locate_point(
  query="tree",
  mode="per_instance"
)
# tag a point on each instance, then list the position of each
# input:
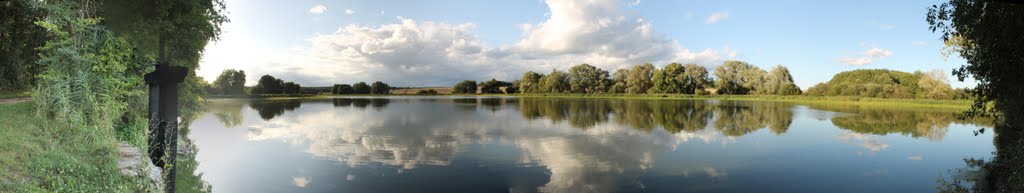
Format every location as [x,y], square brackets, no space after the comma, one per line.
[933,85]
[668,79]
[291,88]
[780,82]
[987,35]
[345,89]
[529,82]
[379,87]
[737,77]
[360,88]
[695,78]
[230,82]
[269,85]
[639,79]
[491,86]
[19,38]
[588,79]
[513,88]
[465,87]
[555,82]
[619,81]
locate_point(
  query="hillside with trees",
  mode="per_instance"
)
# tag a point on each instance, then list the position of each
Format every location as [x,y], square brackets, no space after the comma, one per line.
[881,83]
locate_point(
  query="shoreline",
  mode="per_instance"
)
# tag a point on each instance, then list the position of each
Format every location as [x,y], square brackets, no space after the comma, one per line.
[797,99]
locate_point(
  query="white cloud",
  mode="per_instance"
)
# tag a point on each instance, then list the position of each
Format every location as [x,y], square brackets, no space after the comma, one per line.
[915,157]
[717,17]
[919,43]
[634,3]
[350,11]
[866,57]
[869,142]
[425,53]
[318,9]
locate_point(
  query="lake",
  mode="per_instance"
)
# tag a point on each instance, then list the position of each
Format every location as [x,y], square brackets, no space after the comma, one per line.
[532,144]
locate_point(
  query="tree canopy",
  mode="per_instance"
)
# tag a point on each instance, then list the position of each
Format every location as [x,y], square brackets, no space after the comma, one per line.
[465,87]
[230,82]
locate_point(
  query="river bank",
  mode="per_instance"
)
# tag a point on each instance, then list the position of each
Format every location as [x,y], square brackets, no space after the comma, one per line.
[39,155]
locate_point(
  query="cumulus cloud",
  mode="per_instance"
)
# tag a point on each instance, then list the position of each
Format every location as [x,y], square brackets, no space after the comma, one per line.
[717,17]
[426,53]
[349,11]
[866,57]
[318,9]
[634,3]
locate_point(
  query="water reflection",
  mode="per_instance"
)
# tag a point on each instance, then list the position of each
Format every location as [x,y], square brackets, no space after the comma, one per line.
[932,125]
[268,109]
[582,145]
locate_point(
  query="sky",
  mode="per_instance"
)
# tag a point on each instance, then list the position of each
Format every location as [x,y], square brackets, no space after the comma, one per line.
[415,43]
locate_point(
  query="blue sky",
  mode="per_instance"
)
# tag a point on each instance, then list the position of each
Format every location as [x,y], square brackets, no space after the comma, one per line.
[437,43]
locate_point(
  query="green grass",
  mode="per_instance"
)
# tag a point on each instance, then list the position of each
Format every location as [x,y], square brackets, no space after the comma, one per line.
[40,155]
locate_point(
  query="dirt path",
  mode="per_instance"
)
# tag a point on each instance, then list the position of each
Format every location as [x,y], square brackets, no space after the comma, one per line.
[15,100]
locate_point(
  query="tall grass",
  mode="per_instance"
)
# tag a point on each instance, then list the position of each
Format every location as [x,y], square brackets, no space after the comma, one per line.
[38,155]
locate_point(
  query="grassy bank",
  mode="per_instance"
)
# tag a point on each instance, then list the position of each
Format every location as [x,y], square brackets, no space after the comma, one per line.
[39,155]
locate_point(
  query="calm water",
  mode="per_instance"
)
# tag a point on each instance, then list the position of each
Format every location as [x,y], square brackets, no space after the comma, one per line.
[495,144]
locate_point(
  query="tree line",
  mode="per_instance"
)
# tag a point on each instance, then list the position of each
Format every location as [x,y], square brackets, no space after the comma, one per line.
[733,77]
[376,87]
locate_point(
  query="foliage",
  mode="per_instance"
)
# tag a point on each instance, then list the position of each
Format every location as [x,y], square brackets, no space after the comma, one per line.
[667,80]
[678,78]
[380,88]
[187,26]
[619,81]
[88,77]
[427,92]
[19,38]
[361,88]
[585,78]
[492,86]
[268,85]
[513,87]
[737,77]
[880,83]
[465,87]
[694,79]
[555,82]
[230,82]
[291,88]
[342,89]
[638,81]
[780,82]
[987,35]
[530,82]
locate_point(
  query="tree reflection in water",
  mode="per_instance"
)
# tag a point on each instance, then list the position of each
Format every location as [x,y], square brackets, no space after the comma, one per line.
[608,142]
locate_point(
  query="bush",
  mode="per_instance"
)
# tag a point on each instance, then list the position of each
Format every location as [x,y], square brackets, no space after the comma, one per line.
[426,92]
[465,87]
[90,76]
